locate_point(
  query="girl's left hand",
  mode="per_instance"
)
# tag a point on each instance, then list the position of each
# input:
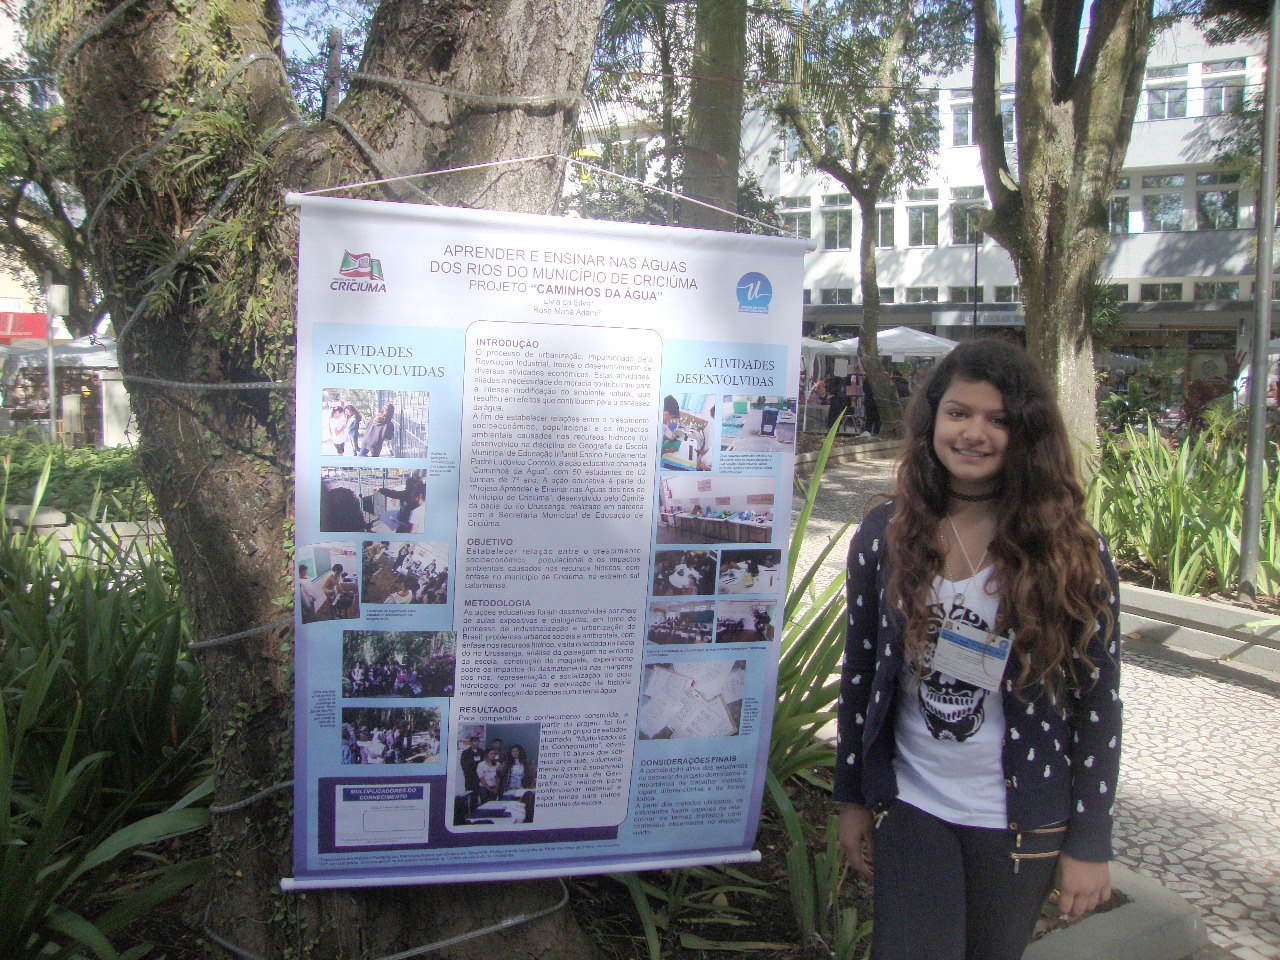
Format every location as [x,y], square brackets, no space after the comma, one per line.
[1082,885]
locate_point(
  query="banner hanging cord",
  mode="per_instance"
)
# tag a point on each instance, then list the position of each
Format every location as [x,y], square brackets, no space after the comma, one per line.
[229,637]
[506,924]
[248,801]
[547,156]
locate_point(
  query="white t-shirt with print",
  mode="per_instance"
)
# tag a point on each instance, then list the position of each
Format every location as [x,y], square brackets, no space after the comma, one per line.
[949,733]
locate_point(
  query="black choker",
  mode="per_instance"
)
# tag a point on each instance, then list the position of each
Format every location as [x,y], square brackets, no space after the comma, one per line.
[974,497]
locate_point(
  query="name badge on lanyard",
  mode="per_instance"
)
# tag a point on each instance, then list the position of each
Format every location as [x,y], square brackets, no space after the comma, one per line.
[972,655]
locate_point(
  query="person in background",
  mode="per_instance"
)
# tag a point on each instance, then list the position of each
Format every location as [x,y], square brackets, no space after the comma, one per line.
[970,786]
[353,428]
[338,427]
[382,429]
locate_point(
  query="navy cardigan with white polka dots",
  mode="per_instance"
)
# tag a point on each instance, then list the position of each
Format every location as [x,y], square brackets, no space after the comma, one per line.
[1060,759]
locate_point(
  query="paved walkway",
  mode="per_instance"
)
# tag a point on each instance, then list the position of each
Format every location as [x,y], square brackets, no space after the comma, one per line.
[1199,802]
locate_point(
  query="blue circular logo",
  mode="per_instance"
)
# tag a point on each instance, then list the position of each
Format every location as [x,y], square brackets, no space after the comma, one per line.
[754,293]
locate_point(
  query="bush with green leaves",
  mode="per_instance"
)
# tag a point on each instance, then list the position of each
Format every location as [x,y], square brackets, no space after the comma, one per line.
[1172,510]
[87,481]
[104,739]
[111,611]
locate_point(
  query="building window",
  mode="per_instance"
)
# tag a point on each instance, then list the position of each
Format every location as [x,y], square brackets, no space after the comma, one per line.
[965,218]
[1007,115]
[1223,94]
[961,117]
[1166,100]
[886,294]
[794,203]
[808,296]
[1155,292]
[922,226]
[964,294]
[929,100]
[922,193]
[837,296]
[1217,209]
[1118,292]
[798,224]
[837,221]
[1118,214]
[884,226]
[1008,295]
[1162,212]
[1217,290]
[920,295]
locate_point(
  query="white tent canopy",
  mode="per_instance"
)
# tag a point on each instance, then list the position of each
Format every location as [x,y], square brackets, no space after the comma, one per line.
[100,352]
[904,342]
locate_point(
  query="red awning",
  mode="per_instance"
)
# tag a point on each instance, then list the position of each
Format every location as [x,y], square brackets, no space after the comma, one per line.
[23,326]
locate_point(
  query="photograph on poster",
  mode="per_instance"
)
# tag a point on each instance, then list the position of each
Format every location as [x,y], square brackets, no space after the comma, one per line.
[372,500]
[693,698]
[684,573]
[746,621]
[326,582]
[404,572]
[687,422]
[757,424]
[395,663]
[751,571]
[498,762]
[699,508]
[373,423]
[391,735]
[684,621]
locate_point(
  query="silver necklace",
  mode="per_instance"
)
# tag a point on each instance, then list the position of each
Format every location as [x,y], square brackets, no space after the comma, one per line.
[973,570]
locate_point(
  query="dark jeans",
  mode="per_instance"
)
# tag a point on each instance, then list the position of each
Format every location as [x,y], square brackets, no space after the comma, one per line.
[945,892]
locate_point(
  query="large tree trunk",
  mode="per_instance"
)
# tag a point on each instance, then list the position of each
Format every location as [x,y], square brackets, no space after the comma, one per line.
[1074,114]
[715,114]
[878,382]
[220,463]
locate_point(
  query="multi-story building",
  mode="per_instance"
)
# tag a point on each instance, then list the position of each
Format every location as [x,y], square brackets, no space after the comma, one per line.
[1182,251]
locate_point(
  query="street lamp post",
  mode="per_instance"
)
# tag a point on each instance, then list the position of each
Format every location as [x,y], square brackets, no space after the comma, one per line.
[56,305]
[976,238]
[974,209]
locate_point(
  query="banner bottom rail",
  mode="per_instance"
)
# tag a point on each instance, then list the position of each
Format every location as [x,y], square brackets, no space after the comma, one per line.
[490,876]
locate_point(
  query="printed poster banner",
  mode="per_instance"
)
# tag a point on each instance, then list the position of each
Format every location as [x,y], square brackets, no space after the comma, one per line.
[544,472]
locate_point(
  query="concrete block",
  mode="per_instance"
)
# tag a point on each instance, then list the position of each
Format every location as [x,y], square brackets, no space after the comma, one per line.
[1155,925]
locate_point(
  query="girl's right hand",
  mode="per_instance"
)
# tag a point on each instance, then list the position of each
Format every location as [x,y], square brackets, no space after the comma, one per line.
[857,837]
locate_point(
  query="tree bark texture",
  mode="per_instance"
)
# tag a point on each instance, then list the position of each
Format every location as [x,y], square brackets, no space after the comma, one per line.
[187,137]
[714,144]
[1049,210]
[872,136]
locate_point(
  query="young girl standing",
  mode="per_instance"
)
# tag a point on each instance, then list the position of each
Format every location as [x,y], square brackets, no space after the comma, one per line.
[979,719]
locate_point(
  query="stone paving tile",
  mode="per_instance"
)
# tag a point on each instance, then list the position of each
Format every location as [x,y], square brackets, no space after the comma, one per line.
[1199,797]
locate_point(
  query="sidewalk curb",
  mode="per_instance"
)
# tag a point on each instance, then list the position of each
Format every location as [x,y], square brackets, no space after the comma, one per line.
[851,453]
[1156,924]
[1206,628]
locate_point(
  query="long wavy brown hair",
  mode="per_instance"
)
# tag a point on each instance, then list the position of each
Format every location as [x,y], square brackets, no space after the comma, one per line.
[1053,591]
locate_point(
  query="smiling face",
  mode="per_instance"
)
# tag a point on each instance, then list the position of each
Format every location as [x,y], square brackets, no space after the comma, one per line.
[971,435]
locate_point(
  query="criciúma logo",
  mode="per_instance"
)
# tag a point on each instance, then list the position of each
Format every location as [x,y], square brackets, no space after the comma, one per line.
[359,273]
